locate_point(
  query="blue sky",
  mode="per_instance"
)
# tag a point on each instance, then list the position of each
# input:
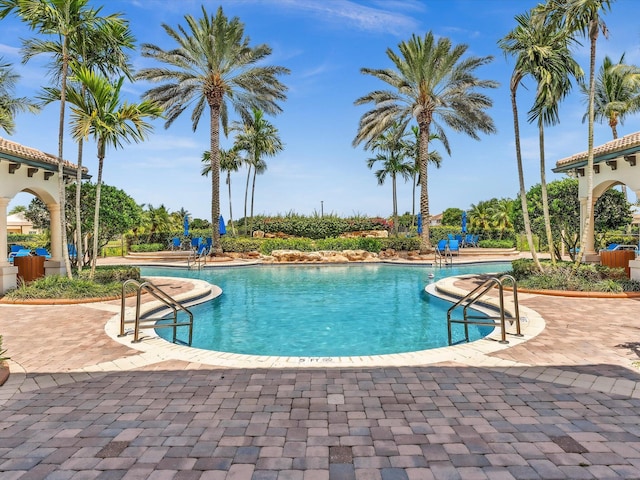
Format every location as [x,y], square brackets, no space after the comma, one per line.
[325,43]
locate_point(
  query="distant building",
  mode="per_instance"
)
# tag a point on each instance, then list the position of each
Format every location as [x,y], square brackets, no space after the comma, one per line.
[436,220]
[18,224]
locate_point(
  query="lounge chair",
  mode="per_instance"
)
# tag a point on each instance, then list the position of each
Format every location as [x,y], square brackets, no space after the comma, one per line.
[442,247]
[454,247]
[23,252]
[43,252]
[73,252]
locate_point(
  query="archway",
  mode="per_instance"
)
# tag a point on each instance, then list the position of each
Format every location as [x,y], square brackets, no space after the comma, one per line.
[25,169]
[614,163]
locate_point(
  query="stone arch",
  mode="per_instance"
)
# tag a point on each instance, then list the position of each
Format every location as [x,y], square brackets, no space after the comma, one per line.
[614,163]
[25,169]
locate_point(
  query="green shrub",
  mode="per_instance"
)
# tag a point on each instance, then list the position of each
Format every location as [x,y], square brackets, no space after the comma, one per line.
[496,244]
[147,247]
[111,273]
[404,244]
[240,245]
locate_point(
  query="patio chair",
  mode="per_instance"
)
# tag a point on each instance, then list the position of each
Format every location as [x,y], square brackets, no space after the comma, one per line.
[73,251]
[23,252]
[43,252]
[454,247]
[176,244]
[441,247]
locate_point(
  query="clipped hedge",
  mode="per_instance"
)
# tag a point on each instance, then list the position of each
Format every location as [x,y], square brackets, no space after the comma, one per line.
[147,247]
[111,273]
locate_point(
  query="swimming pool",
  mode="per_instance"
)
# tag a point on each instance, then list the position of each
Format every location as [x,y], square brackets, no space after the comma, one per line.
[322,311]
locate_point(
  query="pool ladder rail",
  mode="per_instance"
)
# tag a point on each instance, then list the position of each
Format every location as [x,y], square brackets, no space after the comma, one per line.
[474,297]
[443,258]
[141,322]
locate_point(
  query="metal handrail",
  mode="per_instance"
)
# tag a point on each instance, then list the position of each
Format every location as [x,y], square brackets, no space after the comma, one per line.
[150,322]
[474,296]
[440,257]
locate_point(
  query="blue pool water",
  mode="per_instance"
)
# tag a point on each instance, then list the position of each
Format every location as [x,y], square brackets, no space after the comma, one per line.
[322,311]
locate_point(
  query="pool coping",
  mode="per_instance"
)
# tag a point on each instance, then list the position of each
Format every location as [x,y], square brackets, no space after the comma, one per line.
[474,353]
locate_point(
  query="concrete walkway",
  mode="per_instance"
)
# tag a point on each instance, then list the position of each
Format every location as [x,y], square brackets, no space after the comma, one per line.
[563,404]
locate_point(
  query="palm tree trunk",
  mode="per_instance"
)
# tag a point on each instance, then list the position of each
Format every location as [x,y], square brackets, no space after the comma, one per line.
[96,215]
[216,247]
[79,249]
[523,192]
[61,183]
[424,123]
[586,242]
[613,123]
[545,197]
[253,191]
[246,195]
[413,200]
[233,230]
[395,204]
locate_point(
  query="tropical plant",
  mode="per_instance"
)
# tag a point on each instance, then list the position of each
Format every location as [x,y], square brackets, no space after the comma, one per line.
[230,161]
[67,21]
[413,145]
[433,84]
[101,113]
[213,65]
[156,220]
[617,93]
[392,152]
[259,138]
[582,17]
[10,105]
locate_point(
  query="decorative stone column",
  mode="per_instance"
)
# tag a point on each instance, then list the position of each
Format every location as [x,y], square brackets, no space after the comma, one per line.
[55,266]
[8,273]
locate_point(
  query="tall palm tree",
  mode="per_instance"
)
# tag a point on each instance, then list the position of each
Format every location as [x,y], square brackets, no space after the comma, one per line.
[582,17]
[432,83]
[230,161]
[10,105]
[616,93]
[213,65]
[102,114]
[64,20]
[392,152]
[541,51]
[259,138]
[413,144]
[501,215]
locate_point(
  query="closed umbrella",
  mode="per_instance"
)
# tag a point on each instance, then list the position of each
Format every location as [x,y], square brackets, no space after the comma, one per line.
[186,225]
[464,222]
[419,223]
[222,227]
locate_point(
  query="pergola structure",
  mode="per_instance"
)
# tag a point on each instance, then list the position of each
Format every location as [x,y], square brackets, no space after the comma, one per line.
[24,169]
[614,163]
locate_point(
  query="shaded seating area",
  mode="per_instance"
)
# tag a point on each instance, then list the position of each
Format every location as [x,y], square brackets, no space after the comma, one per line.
[18,251]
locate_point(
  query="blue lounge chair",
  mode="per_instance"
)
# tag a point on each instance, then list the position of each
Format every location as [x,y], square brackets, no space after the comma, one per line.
[442,247]
[175,243]
[43,252]
[454,247]
[23,252]
[73,252]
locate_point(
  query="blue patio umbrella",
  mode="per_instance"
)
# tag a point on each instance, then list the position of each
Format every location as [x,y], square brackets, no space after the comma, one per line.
[186,225]
[464,222]
[419,223]
[222,226]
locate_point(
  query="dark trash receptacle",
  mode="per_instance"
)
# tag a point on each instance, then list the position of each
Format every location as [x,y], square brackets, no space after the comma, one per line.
[30,267]
[617,259]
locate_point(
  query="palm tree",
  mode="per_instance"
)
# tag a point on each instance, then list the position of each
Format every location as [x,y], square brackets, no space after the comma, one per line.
[433,84]
[392,152]
[501,215]
[480,216]
[259,138]
[616,93]
[102,114]
[542,51]
[582,17]
[413,144]
[230,161]
[156,220]
[67,21]
[213,65]
[10,105]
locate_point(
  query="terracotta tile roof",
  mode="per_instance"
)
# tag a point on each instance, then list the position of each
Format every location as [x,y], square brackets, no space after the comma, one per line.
[618,145]
[27,153]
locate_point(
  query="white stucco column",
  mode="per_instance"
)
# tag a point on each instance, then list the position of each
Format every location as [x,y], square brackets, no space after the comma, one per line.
[55,266]
[8,273]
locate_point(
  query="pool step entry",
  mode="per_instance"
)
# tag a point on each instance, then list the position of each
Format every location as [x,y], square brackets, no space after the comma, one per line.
[474,297]
[166,303]
[443,258]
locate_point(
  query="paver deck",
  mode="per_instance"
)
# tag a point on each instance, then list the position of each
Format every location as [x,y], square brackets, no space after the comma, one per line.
[564,404]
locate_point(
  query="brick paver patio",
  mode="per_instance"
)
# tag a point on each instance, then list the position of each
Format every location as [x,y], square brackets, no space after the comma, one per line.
[568,408]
